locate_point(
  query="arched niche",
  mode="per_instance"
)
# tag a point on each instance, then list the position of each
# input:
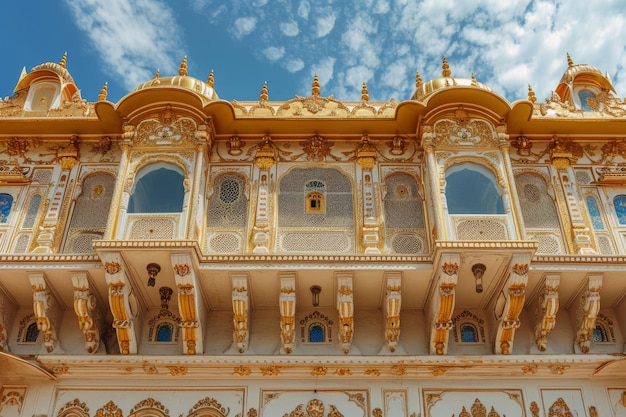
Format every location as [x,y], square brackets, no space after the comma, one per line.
[158,188]
[472,189]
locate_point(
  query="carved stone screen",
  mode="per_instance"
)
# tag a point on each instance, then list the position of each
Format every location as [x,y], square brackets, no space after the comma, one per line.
[404,217]
[228,214]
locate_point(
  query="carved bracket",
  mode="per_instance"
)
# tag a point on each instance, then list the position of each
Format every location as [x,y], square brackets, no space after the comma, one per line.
[345,307]
[120,300]
[46,310]
[188,303]
[443,301]
[287,302]
[87,311]
[587,312]
[547,309]
[393,301]
[514,295]
[241,307]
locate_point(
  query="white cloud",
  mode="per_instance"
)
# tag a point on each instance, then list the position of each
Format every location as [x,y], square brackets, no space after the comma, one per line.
[244,26]
[294,65]
[289,28]
[129,36]
[324,70]
[304,8]
[325,24]
[274,53]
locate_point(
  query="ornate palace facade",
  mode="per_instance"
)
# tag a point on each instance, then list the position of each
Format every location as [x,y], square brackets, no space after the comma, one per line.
[174,254]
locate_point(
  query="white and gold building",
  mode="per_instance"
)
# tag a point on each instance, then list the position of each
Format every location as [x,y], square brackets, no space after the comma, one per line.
[175,254]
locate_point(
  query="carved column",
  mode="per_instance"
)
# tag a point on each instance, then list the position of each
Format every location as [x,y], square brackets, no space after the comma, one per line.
[46,310]
[345,307]
[7,314]
[120,299]
[393,301]
[442,302]
[513,201]
[196,207]
[87,310]
[265,159]
[121,195]
[436,205]
[190,304]
[514,294]
[547,308]
[366,160]
[241,309]
[287,303]
[587,312]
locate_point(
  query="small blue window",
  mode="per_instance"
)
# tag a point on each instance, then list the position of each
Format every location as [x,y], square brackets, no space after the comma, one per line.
[594,212]
[619,202]
[469,333]
[160,190]
[6,202]
[32,333]
[164,332]
[472,189]
[584,96]
[599,334]
[316,334]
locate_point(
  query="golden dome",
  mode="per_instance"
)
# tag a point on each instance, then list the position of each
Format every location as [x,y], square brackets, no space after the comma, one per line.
[205,89]
[423,90]
[49,70]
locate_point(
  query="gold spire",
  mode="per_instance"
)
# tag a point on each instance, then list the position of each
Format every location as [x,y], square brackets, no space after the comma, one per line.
[418,79]
[63,62]
[474,82]
[570,62]
[157,73]
[103,92]
[211,80]
[365,96]
[315,90]
[445,67]
[264,92]
[183,67]
[531,95]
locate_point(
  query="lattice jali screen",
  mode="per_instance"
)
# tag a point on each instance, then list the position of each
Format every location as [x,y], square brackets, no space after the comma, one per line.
[537,206]
[228,206]
[583,177]
[470,227]
[152,226]
[224,243]
[317,242]
[21,244]
[605,246]
[549,243]
[403,204]
[81,241]
[42,176]
[406,243]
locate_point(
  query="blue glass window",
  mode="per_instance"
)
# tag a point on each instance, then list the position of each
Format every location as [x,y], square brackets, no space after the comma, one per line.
[599,334]
[469,333]
[6,202]
[316,334]
[583,96]
[32,333]
[471,189]
[160,190]
[619,202]
[594,212]
[164,332]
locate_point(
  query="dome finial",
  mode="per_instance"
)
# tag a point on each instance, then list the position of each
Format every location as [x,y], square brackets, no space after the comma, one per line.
[474,82]
[103,92]
[63,62]
[570,62]
[157,73]
[264,92]
[211,80]
[418,79]
[315,90]
[445,67]
[531,95]
[365,96]
[183,67]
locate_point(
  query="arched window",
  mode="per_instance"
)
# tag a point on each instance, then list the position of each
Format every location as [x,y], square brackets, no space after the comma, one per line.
[315,197]
[164,332]
[6,202]
[619,203]
[32,333]
[594,213]
[158,189]
[317,333]
[599,334]
[584,97]
[472,189]
[469,333]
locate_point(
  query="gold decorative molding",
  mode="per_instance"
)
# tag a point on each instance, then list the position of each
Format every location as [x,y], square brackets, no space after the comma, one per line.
[345,308]
[45,307]
[287,306]
[13,174]
[242,370]
[110,409]
[442,303]
[559,409]
[514,294]
[587,312]
[241,307]
[393,300]
[188,304]
[87,310]
[547,310]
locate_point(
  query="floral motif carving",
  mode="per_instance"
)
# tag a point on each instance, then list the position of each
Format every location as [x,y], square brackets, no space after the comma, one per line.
[450,268]
[270,370]
[559,409]
[149,403]
[317,148]
[110,409]
[112,268]
[208,404]
[182,269]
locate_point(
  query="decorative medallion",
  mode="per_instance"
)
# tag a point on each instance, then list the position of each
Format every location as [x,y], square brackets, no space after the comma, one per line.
[450,268]
[520,269]
[112,268]
[182,269]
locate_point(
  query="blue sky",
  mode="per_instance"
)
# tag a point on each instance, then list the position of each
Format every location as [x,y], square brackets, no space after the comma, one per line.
[507,44]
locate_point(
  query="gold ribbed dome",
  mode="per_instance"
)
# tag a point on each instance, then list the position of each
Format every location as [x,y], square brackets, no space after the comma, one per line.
[205,89]
[47,70]
[586,74]
[423,90]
